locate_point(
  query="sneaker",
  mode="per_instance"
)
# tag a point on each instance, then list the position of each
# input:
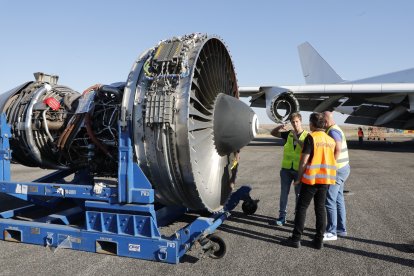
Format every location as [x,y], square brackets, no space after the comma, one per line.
[291,242]
[281,221]
[342,234]
[329,237]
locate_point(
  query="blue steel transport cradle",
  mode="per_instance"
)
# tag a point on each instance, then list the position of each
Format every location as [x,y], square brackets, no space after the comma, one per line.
[121,220]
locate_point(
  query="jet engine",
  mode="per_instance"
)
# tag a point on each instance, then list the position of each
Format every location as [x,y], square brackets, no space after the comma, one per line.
[180,100]
[280,105]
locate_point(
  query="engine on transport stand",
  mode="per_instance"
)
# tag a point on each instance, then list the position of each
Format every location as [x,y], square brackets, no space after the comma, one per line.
[168,136]
[180,101]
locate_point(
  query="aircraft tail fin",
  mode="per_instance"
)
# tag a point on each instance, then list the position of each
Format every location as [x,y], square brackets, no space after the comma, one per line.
[315,69]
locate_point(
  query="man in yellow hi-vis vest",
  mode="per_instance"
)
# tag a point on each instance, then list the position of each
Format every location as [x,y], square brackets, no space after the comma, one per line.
[317,171]
[290,162]
[335,202]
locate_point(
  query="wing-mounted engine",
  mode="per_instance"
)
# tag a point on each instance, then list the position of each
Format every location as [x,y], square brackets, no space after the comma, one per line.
[280,104]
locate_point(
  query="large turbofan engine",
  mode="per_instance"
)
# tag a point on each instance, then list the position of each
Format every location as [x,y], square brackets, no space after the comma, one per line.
[280,105]
[180,100]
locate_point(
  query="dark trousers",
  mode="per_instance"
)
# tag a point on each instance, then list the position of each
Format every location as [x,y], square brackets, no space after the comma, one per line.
[307,192]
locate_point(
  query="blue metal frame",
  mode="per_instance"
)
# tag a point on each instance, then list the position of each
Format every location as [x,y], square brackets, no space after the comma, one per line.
[122,221]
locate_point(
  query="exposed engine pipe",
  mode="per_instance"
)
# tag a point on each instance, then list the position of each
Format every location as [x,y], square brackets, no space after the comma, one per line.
[45,126]
[92,136]
[51,125]
[88,124]
[28,122]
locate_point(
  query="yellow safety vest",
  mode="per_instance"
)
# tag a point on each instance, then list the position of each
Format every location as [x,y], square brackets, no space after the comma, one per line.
[291,155]
[343,158]
[322,167]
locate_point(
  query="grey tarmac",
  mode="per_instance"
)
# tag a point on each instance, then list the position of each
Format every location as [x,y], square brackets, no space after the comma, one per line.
[380,206]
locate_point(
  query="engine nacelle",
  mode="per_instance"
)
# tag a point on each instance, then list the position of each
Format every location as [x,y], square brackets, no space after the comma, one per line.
[278,100]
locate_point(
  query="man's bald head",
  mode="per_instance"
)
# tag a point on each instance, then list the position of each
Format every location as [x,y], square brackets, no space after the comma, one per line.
[329,119]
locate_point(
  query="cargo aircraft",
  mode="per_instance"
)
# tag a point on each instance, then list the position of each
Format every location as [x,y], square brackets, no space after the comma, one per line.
[385,100]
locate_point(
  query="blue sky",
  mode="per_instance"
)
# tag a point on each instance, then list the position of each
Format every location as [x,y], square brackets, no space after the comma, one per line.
[88,42]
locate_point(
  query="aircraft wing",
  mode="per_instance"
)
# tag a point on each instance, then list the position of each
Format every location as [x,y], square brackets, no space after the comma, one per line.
[385,100]
[375,104]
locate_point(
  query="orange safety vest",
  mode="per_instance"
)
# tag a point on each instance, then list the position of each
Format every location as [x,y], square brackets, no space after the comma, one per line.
[322,168]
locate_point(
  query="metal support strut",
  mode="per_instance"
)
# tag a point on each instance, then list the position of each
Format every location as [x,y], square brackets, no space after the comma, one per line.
[101,217]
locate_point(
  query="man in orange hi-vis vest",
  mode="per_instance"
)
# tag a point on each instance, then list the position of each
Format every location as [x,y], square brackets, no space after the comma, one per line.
[317,170]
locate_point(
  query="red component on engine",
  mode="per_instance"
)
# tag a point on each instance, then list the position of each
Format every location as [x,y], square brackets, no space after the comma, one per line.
[52,103]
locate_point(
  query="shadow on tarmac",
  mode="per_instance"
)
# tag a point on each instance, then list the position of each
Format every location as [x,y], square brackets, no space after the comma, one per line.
[189,259]
[264,221]
[406,248]
[258,221]
[400,145]
[10,202]
[266,141]
[387,146]
[382,257]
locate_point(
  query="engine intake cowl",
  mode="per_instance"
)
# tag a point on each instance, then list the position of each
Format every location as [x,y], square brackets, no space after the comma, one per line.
[284,101]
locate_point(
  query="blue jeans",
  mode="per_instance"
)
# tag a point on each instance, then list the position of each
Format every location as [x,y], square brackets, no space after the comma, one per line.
[335,203]
[286,179]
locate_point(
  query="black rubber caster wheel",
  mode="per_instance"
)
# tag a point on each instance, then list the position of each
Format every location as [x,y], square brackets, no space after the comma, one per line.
[218,249]
[249,207]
